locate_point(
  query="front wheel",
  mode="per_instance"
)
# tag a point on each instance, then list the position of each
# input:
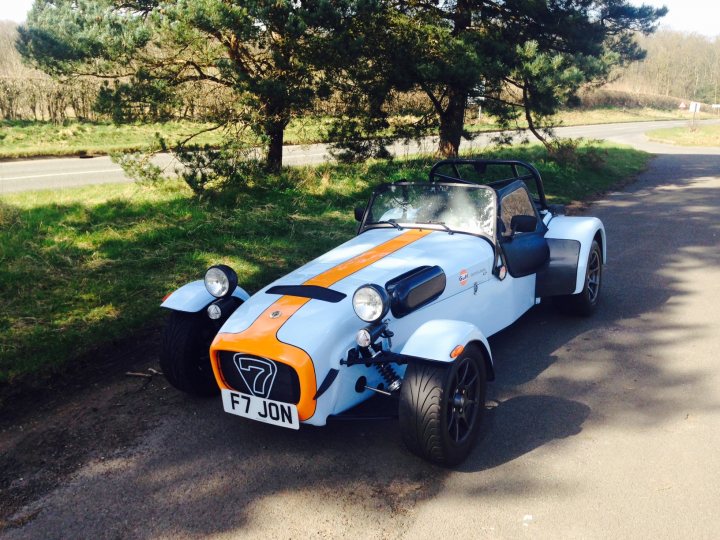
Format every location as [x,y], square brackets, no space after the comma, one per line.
[442,406]
[585,302]
[185,354]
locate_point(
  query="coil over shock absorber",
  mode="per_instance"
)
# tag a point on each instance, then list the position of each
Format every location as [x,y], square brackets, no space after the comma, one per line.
[391,378]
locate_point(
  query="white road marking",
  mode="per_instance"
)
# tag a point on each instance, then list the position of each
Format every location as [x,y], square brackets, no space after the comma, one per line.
[60,174]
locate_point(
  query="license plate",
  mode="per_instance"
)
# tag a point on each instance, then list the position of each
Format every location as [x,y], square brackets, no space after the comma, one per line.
[261,409]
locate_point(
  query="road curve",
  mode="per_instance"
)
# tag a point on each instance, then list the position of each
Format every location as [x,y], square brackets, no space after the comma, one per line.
[59,173]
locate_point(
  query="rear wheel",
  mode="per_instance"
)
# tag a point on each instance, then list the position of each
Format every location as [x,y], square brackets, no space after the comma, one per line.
[442,406]
[185,354]
[585,302]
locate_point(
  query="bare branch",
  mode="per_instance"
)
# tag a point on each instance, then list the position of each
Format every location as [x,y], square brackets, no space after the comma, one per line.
[437,103]
[198,133]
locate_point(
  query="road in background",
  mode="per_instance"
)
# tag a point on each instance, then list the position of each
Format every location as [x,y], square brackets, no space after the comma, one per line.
[59,173]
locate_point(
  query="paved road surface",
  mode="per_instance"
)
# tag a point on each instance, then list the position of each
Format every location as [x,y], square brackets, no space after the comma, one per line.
[71,172]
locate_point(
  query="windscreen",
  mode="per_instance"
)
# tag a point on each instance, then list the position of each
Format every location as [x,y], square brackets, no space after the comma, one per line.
[457,207]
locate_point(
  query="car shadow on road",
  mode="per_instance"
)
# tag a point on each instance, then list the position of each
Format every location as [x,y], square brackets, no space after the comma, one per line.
[521,424]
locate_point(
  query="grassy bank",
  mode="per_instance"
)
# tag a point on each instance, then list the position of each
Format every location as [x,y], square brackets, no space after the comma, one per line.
[685,136]
[29,139]
[598,116]
[83,266]
[24,139]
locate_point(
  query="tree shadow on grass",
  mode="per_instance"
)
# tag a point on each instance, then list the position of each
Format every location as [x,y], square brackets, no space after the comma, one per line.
[75,275]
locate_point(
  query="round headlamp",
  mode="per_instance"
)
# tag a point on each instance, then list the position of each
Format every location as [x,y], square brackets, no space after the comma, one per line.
[371,303]
[363,338]
[214,312]
[220,280]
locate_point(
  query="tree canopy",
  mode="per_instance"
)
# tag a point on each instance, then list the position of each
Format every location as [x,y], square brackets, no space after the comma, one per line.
[521,57]
[270,61]
[683,65]
[262,55]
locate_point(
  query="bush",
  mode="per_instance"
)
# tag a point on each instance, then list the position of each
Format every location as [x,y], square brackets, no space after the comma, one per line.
[205,169]
[606,98]
[577,153]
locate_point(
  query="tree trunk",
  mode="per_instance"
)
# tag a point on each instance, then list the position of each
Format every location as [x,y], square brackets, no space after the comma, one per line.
[529,118]
[452,123]
[276,134]
[452,119]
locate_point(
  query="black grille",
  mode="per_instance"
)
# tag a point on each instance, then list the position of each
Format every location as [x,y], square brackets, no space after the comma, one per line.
[284,386]
[308,291]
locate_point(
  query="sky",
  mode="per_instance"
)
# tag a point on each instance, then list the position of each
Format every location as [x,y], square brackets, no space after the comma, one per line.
[700,16]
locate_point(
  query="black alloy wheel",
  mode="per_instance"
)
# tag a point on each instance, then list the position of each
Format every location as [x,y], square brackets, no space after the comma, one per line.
[442,405]
[463,400]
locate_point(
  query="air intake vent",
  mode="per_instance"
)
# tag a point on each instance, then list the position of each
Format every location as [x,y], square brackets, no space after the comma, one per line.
[415,289]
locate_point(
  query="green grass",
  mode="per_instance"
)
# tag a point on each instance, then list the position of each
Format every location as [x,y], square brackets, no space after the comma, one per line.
[27,139]
[23,139]
[608,115]
[687,136]
[80,267]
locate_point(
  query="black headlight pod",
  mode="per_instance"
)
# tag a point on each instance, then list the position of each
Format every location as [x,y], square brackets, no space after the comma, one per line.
[371,303]
[220,280]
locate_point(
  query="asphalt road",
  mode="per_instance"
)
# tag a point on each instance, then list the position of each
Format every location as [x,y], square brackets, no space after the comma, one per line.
[607,427]
[58,173]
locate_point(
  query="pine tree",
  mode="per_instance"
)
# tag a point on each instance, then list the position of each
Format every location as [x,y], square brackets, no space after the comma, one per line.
[523,57]
[261,53]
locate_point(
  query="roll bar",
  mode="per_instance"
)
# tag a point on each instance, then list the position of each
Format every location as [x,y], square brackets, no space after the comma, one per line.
[448,171]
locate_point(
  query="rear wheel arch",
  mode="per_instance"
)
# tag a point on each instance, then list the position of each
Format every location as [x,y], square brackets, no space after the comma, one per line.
[585,302]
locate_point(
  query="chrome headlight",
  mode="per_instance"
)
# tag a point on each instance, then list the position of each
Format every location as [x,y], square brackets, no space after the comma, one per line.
[371,303]
[220,280]
[363,338]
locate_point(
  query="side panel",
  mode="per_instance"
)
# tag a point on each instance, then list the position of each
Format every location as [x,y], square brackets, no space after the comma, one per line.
[559,275]
[436,339]
[193,297]
[525,253]
[583,230]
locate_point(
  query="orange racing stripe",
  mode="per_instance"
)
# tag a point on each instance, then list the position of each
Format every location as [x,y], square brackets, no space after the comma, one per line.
[260,338]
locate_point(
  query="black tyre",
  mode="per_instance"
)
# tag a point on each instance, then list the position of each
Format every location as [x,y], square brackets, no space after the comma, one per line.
[585,302]
[185,354]
[442,406]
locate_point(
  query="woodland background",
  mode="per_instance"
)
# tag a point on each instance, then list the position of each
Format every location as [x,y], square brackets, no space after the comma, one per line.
[679,67]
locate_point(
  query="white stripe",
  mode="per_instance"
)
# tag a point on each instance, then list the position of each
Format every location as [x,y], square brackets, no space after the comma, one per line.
[60,174]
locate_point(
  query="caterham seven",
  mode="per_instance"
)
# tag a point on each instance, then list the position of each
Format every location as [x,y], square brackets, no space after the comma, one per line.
[402,311]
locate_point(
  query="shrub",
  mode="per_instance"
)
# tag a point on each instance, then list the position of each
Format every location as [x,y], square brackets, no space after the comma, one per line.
[605,98]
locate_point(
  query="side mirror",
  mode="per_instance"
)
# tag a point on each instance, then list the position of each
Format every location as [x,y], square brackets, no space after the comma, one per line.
[359,212]
[523,224]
